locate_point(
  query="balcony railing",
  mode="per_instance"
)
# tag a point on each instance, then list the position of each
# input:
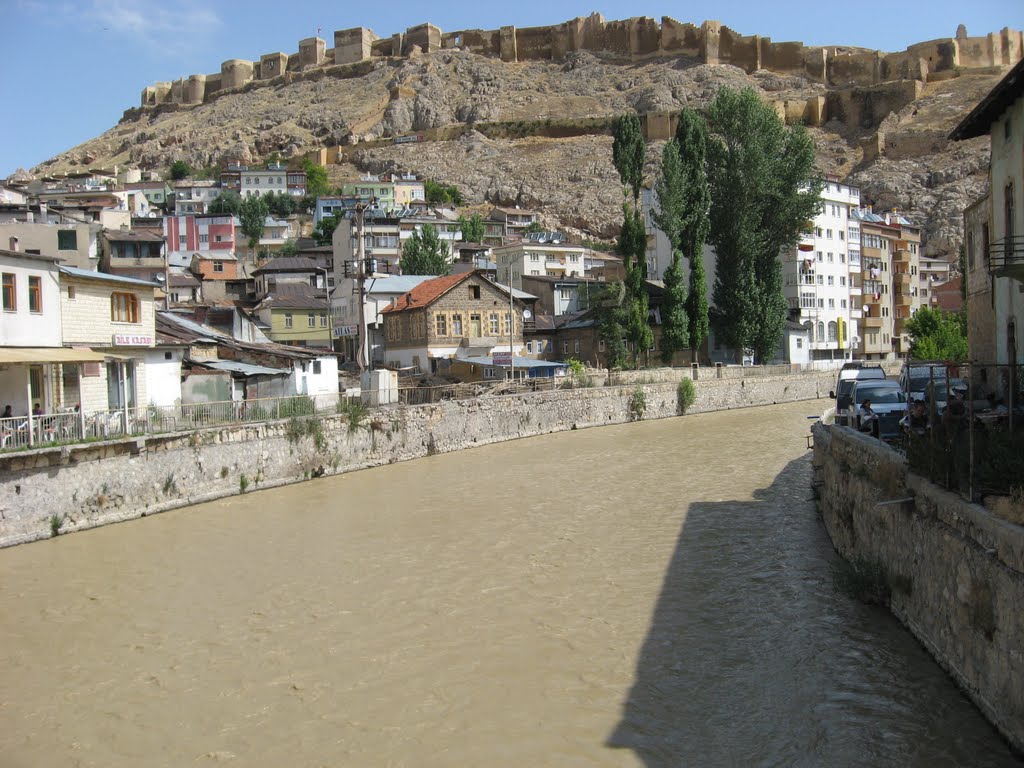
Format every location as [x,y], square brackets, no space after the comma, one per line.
[1006,257]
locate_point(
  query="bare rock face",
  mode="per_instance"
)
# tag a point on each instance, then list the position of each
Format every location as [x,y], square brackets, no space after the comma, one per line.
[911,165]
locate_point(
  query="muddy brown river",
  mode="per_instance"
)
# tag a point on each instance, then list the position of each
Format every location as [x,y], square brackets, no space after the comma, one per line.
[653,594]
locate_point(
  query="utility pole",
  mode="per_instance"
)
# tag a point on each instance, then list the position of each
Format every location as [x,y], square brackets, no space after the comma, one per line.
[360,282]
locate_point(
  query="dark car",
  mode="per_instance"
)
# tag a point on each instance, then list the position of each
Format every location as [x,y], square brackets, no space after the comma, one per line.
[848,376]
[887,401]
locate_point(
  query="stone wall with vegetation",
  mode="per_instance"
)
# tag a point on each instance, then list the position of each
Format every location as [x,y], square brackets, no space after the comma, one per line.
[951,571]
[74,487]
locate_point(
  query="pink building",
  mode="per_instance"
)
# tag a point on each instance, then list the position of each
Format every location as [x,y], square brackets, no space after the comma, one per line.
[191,234]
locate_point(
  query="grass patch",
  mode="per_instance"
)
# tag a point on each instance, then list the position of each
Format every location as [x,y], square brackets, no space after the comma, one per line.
[355,414]
[243,483]
[56,523]
[686,394]
[637,405]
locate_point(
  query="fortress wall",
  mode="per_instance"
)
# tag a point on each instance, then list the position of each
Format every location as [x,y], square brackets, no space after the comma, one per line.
[353,45]
[977,51]
[426,36]
[563,40]
[236,73]
[195,90]
[509,49]
[785,58]
[816,64]
[479,41]
[273,65]
[855,68]
[680,38]
[532,44]
[866,107]
[740,50]
[312,52]
[644,36]
[711,34]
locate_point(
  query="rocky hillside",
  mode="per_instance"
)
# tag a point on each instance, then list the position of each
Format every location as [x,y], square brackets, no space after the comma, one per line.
[570,179]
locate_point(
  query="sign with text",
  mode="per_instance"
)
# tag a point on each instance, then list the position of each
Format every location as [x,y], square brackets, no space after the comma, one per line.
[345,330]
[131,340]
[501,358]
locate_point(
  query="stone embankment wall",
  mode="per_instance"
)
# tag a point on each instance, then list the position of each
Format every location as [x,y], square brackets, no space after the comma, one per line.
[632,39]
[82,486]
[956,571]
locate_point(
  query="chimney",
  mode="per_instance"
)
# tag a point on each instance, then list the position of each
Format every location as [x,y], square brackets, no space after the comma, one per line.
[14,243]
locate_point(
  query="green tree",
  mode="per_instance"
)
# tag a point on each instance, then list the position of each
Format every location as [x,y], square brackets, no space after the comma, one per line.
[180,170]
[607,303]
[316,178]
[695,222]
[937,336]
[636,302]
[763,190]
[228,201]
[253,213]
[281,204]
[675,333]
[441,194]
[628,151]
[533,228]
[472,228]
[425,253]
[323,232]
[290,248]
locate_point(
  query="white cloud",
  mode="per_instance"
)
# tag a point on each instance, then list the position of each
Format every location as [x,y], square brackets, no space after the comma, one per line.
[152,26]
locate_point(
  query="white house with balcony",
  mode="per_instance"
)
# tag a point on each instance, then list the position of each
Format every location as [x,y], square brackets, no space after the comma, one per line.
[538,258]
[260,181]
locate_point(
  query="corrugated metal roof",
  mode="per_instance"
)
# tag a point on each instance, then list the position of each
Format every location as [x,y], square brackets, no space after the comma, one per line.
[245,369]
[395,284]
[516,293]
[520,362]
[103,276]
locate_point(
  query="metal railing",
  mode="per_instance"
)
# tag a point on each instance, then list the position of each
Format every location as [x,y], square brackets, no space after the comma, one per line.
[1006,254]
[20,432]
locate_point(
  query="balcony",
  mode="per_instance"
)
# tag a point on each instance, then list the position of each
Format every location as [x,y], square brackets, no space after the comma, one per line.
[902,281]
[872,322]
[902,263]
[902,300]
[806,243]
[899,326]
[1006,258]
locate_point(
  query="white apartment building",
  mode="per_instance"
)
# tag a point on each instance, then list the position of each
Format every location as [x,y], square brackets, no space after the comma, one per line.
[821,275]
[538,258]
[378,292]
[260,181]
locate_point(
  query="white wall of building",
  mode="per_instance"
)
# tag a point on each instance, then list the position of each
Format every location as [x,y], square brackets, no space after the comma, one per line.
[22,327]
[163,377]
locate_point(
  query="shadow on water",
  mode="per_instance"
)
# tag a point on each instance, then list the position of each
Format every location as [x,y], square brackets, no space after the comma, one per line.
[752,658]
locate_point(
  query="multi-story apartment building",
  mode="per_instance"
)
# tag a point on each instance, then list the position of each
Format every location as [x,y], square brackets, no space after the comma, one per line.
[194,195]
[381,242]
[134,253]
[39,229]
[503,224]
[541,256]
[191,233]
[933,271]
[819,277]
[877,244]
[906,281]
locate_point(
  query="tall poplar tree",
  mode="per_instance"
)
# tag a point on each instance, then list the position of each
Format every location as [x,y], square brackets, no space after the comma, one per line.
[692,138]
[636,302]
[763,189]
[628,151]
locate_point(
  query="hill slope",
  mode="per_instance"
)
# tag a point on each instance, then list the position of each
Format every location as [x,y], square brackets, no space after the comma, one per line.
[571,179]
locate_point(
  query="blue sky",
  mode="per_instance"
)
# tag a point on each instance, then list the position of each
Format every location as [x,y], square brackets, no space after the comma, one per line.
[74,67]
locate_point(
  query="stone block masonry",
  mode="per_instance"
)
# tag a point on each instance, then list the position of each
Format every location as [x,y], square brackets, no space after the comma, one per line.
[83,486]
[956,571]
[629,40]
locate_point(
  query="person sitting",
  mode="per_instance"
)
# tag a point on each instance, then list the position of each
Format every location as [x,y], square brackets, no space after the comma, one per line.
[8,413]
[918,421]
[867,419]
[36,410]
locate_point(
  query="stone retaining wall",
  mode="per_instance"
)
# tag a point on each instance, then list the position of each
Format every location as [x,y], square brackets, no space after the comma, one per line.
[85,485]
[956,571]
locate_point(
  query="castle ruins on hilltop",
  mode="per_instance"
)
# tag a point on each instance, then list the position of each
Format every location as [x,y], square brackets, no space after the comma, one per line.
[631,39]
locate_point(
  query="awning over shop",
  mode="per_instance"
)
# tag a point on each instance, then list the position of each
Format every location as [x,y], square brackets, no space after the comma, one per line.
[242,369]
[52,355]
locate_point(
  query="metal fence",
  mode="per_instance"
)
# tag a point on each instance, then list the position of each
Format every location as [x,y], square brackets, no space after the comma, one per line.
[469,390]
[53,429]
[966,433]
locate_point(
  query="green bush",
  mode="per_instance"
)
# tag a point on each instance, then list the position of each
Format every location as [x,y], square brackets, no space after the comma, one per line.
[686,394]
[354,412]
[637,404]
[578,375]
[298,406]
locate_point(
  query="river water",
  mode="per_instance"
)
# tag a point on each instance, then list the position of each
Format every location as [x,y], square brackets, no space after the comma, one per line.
[654,594]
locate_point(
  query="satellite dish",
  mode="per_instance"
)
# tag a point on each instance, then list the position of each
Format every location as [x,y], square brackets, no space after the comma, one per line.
[160,278]
[527,314]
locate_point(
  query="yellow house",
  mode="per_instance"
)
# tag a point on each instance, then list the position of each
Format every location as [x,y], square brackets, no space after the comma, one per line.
[297,315]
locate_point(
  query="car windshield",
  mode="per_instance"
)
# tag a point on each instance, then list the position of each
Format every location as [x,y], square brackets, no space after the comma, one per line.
[846,386]
[880,395]
[921,376]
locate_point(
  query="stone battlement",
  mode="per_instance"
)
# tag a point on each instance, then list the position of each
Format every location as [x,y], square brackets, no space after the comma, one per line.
[632,39]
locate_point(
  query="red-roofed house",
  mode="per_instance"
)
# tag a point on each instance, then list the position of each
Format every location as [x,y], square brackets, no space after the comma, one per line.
[456,316]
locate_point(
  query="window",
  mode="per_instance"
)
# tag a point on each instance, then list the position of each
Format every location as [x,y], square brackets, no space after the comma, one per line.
[218,238]
[10,294]
[311,320]
[494,324]
[565,347]
[124,308]
[565,293]
[799,343]
[474,291]
[440,325]
[842,280]
[456,325]
[67,240]
[828,233]
[287,319]
[529,347]
[821,279]
[576,346]
[842,258]
[323,319]
[842,235]
[218,266]
[204,238]
[508,329]
[842,303]
[831,303]
[819,256]
[318,367]
[830,257]
[831,280]
[534,257]
[71,293]
[821,331]
[600,345]
[35,293]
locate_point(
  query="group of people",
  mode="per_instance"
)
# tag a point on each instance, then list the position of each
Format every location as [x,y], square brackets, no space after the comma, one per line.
[9,412]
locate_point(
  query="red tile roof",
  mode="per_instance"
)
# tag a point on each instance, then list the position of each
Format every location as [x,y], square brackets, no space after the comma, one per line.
[426,292]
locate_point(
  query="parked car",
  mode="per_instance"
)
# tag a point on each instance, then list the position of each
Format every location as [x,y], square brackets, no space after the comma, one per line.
[887,401]
[848,376]
[918,377]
